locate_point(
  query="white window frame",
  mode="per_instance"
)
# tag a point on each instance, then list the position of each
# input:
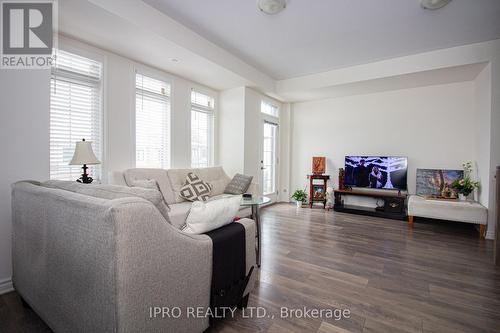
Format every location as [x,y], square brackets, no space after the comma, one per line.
[272,119]
[275,115]
[210,111]
[92,54]
[157,75]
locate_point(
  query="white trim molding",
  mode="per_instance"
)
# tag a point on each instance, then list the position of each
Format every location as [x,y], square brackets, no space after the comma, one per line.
[490,235]
[6,286]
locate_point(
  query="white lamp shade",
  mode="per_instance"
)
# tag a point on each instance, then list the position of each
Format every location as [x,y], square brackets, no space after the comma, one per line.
[84,154]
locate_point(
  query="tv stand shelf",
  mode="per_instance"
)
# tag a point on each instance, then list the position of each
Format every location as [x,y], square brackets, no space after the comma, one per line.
[394,204]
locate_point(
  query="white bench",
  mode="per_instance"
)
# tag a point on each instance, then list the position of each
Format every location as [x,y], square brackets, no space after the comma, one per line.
[460,211]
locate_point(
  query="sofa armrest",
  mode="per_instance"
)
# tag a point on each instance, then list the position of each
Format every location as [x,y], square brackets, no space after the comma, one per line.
[158,266]
[96,265]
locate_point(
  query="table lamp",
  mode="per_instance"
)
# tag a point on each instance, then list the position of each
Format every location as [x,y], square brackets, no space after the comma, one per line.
[84,155]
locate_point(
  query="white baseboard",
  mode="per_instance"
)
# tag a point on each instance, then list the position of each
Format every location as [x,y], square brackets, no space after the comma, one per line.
[490,235]
[6,286]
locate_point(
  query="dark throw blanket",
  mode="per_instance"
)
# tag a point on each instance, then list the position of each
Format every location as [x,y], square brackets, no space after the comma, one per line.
[229,277]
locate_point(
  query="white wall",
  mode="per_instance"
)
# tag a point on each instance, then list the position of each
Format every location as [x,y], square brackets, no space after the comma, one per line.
[240,131]
[285,151]
[24,143]
[253,134]
[425,124]
[495,142]
[482,86]
[231,130]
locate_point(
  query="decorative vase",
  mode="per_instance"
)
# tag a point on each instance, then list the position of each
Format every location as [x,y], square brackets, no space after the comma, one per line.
[462,197]
[298,203]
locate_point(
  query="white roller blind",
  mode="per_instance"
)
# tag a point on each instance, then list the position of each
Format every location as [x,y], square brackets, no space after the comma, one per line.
[152,122]
[75,113]
[202,124]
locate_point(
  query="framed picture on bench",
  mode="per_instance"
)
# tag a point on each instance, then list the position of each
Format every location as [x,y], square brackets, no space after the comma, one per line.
[436,183]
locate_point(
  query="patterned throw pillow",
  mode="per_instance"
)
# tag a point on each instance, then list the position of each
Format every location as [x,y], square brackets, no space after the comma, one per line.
[239,184]
[195,189]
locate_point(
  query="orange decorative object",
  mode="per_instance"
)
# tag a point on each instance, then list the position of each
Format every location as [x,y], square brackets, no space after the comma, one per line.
[318,165]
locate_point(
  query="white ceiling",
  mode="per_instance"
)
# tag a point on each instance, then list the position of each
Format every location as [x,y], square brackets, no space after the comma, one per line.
[313,36]
[135,30]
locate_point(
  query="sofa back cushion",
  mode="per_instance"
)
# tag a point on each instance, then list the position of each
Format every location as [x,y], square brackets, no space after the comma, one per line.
[159,175]
[216,177]
[110,192]
[213,175]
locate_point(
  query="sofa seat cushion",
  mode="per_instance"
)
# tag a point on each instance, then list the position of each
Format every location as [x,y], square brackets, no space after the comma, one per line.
[159,175]
[111,192]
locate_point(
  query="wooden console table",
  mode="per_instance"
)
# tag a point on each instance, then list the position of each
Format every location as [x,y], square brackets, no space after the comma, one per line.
[393,208]
[317,192]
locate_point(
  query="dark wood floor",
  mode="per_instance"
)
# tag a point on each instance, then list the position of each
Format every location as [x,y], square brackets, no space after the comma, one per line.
[436,277]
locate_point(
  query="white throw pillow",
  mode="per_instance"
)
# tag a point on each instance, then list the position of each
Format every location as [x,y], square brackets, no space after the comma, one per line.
[210,215]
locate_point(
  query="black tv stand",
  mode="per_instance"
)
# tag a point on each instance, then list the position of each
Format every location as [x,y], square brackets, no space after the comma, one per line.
[394,204]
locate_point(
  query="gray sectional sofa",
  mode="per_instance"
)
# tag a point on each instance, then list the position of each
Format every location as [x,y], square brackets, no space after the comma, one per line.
[170,182]
[90,264]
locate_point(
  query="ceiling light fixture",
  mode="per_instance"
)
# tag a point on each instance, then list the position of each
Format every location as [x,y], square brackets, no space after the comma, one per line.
[271,7]
[434,4]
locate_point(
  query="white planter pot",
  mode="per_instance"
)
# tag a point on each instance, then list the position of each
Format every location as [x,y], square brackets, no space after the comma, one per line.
[298,203]
[462,197]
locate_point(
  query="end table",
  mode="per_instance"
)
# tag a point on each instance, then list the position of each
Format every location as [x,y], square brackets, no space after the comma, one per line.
[255,203]
[317,190]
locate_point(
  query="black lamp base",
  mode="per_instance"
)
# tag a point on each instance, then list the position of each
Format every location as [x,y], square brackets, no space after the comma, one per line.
[85,179]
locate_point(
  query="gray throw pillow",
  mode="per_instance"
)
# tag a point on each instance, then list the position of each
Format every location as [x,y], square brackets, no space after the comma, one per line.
[149,184]
[195,189]
[239,184]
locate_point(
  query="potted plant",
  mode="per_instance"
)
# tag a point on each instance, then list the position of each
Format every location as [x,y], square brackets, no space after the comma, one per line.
[465,186]
[299,196]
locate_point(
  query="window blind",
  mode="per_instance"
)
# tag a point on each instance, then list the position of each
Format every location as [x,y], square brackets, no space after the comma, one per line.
[269,109]
[152,122]
[75,113]
[202,128]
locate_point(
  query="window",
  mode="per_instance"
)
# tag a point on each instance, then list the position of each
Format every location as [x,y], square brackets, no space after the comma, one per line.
[202,128]
[269,158]
[75,113]
[152,123]
[269,109]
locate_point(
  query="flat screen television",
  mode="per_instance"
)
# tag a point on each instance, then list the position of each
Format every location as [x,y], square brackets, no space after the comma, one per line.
[381,172]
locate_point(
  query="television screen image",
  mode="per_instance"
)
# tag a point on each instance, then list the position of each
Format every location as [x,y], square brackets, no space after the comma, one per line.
[382,172]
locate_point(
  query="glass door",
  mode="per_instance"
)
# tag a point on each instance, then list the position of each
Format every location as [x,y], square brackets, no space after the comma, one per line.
[269,160]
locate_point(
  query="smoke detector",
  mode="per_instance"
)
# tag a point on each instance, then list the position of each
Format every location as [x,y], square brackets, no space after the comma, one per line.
[271,7]
[434,4]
